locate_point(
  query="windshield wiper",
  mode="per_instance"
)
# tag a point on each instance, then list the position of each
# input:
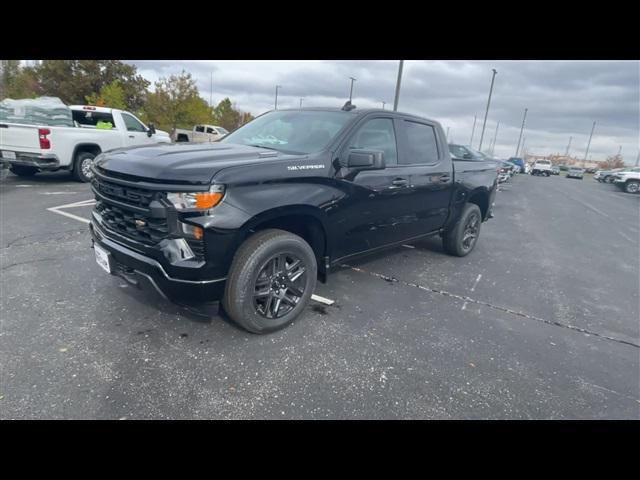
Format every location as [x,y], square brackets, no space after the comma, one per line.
[263,146]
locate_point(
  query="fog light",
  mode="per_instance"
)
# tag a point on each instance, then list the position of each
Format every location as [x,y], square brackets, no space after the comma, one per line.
[192,230]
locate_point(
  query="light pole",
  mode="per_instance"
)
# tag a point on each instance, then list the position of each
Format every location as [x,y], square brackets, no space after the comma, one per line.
[351,91]
[277,87]
[397,97]
[484,124]
[566,154]
[493,146]
[211,92]
[589,142]
[619,151]
[524,118]
[473,130]
[383,104]
[301,101]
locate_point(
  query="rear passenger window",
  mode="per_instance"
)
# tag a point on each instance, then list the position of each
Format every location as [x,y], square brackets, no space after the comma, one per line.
[421,143]
[377,134]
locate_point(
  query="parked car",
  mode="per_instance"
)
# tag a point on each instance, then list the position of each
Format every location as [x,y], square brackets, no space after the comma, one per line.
[606,176]
[628,180]
[34,147]
[555,170]
[254,225]
[541,167]
[519,162]
[505,171]
[200,134]
[575,172]
[590,170]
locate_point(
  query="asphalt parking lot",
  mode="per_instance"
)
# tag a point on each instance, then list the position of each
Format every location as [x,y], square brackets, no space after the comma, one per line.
[541,321]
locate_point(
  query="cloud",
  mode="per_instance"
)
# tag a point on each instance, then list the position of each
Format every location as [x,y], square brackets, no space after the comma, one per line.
[563,97]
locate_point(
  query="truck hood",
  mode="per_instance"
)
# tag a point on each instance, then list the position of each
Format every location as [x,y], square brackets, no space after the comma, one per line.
[184,162]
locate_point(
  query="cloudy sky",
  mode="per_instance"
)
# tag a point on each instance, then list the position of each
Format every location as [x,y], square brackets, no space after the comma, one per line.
[563,98]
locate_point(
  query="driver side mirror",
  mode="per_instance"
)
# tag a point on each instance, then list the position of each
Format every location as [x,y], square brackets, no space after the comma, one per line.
[467,156]
[151,130]
[365,160]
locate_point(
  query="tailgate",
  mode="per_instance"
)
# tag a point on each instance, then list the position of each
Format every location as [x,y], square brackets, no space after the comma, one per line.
[21,138]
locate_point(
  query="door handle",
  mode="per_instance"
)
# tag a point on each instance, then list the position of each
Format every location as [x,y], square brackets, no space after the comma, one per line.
[400,182]
[444,178]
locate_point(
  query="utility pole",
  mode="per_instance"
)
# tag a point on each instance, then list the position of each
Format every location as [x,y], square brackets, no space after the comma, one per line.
[589,142]
[301,98]
[493,146]
[521,130]
[619,150]
[211,92]
[566,154]
[397,98]
[383,104]
[484,124]
[472,132]
[277,87]
[351,91]
[523,140]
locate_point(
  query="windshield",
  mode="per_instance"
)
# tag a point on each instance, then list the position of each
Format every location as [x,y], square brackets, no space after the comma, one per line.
[544,162]
[223,131]
[298,132]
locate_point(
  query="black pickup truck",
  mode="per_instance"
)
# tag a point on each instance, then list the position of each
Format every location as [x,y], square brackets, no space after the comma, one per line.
[255,219]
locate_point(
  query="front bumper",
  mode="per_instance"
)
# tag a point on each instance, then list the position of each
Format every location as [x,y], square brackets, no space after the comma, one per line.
[139,269]
[44,161]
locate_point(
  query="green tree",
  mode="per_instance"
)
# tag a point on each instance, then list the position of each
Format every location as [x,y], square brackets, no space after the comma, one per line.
[226,115]
[176,103]
[74,80]
[16,81]
[111,96]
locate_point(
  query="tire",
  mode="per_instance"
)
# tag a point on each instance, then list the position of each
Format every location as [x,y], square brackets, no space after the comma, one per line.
[608,180]
[453,240]
[81,167]
[248,274]
[23,171]
[632,187]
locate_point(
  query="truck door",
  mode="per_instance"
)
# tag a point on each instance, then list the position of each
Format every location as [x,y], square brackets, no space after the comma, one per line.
[381,205]
[425,162]
[136,132]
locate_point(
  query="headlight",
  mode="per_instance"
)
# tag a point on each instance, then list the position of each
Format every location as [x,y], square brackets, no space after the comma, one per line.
[197,201]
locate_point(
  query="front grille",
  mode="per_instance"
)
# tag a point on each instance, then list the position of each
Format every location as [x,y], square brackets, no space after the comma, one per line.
[127,210]
[134,225]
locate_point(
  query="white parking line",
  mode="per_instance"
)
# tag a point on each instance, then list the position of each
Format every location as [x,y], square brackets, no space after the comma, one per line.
[320,299]
[476,284]
[82,203]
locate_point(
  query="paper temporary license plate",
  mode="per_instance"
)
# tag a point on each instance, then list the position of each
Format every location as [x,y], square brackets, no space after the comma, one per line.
[8,154]
[102,258]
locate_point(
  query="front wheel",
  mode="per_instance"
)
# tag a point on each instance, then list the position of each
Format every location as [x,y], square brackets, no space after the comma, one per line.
[270,282]
[460,240]
[632,187]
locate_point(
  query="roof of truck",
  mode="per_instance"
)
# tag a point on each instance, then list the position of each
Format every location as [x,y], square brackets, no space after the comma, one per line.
[355,111]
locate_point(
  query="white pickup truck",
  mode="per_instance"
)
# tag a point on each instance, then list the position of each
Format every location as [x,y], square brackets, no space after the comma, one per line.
[542,167]
[200,134]
[628,180]
[30,148]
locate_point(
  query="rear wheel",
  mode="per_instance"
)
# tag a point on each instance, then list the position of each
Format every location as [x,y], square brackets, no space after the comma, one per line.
[82,166]
[632,187]
[461,239]
[23,171]
[270,282]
